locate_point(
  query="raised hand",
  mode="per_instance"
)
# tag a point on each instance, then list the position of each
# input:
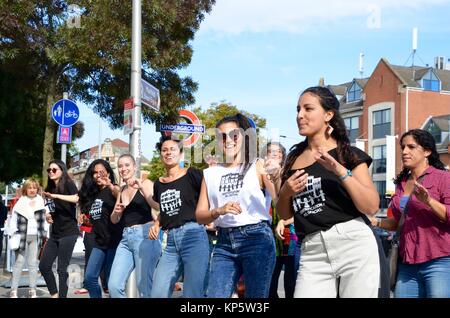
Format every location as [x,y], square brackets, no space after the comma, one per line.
[422,193]
[134,182]
[329,162]
[295,183]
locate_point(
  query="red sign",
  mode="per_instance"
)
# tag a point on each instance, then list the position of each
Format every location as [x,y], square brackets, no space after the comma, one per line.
[64,135]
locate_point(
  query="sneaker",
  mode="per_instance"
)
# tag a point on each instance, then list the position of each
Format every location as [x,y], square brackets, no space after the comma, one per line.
[32,293]
[81,291]
[13,294]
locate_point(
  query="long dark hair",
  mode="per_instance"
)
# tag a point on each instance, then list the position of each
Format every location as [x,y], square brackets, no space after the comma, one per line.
[63,181]
[427,142]
[249,137]
[329,102]
[89,189]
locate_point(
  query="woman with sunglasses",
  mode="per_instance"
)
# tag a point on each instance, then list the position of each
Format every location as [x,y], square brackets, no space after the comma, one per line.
[61,198]
[327,188]
[98,195]
[135,251]
[187,250]
[232,195]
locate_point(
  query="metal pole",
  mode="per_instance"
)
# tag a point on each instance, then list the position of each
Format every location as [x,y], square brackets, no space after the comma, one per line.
[64,146]
[135,136]
[99,137]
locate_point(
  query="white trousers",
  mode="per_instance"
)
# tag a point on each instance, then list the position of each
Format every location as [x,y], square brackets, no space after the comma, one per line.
[342,261]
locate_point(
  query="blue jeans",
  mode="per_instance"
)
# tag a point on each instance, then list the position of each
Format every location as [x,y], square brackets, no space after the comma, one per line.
[426,280]
[135,251]
[187,251]
[100,259]
[248,250]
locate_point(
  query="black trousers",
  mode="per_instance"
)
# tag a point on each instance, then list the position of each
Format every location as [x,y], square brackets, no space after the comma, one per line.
[62,249]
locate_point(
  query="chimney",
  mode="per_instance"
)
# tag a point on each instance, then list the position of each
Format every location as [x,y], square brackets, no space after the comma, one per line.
[322,82]
[439,63]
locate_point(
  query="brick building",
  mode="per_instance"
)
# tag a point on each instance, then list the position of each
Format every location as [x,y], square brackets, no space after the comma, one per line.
[391,101]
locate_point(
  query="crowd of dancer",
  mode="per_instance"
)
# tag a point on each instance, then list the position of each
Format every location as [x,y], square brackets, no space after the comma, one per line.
[310,211]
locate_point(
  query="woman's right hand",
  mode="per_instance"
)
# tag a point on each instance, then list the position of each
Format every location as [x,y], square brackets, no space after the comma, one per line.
[118,209]
[279,230]
[230,207]
[295,183]
[153,232]
[48,218]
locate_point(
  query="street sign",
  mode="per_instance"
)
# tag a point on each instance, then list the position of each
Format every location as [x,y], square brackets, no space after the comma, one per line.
[128,106]
[65,112]
[183,128]
[150,95]
[64,135]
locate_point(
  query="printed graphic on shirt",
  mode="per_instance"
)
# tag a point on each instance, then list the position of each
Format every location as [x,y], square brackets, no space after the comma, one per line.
[50,204]
[231,184]
[170,202]
[311,200]
[96,209]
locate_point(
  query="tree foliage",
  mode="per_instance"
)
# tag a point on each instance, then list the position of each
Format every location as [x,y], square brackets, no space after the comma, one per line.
[91,59]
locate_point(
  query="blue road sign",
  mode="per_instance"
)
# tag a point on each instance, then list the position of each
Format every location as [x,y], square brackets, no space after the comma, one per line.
[65,112]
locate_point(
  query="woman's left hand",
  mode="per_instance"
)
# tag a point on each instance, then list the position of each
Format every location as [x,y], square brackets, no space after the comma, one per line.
[422,193]
[48,195]
[329,162]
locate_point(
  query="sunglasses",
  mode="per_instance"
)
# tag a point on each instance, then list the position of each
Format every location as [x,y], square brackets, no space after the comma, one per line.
[232,134]
[52,170]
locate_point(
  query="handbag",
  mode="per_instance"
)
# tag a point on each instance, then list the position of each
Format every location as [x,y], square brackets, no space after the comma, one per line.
[14,242]
[393,256]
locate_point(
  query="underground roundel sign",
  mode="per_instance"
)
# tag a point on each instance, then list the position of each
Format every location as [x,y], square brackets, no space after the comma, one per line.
[193,128]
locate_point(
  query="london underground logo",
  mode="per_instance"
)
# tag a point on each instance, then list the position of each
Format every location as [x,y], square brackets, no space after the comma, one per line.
[193,128]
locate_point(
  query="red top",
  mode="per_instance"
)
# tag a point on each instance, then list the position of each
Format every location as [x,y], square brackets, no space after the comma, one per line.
[424,236]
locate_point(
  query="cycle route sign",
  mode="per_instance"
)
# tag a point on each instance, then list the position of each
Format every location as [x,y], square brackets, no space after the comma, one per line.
[65,112]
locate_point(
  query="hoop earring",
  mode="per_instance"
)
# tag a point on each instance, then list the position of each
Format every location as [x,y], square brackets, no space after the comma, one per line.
[329,129]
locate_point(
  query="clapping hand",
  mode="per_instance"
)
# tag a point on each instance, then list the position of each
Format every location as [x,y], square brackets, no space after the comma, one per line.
[328,161]
[295,183]
[422,193]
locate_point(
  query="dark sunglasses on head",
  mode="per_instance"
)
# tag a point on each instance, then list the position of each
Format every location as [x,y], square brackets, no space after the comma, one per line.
[52,170]
[232,134]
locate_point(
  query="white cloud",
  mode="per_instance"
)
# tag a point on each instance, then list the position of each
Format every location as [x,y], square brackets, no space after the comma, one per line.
[297,16]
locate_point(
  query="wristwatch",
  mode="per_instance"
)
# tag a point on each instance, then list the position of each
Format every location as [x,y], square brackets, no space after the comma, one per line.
[347,174]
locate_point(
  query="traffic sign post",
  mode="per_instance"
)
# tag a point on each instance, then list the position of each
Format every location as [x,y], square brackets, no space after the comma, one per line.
[128,108]
[65,113]
[64,135]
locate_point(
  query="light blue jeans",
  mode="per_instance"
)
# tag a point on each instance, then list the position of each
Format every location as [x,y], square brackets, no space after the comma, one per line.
[30,252]
[135,251]
[248,250]
[187,251]
[426,280]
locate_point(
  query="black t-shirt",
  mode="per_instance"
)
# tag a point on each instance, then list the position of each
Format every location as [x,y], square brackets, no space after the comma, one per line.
[65,217]
[107,234]
[178,199]
[324,202]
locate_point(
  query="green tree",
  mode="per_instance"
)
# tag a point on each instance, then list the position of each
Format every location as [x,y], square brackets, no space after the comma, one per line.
[209,118]
[91,59]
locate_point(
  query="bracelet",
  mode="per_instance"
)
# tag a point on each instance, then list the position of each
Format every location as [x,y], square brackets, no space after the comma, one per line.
[347,174]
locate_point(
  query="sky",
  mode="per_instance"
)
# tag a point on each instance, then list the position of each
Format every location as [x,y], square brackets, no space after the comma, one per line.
[261,54]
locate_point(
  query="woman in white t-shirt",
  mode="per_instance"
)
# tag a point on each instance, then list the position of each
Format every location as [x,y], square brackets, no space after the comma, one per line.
[232,195]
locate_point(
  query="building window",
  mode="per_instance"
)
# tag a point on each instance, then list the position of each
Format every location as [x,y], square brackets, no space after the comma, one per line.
[381,188]
[379,159]
[381,123]
[354,93]
[352,124]
[430,82]
[435,131]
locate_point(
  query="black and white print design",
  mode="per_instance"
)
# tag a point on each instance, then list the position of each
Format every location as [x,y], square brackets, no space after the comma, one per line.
[170,202]
[231,184]
[311,200]
[96,209]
